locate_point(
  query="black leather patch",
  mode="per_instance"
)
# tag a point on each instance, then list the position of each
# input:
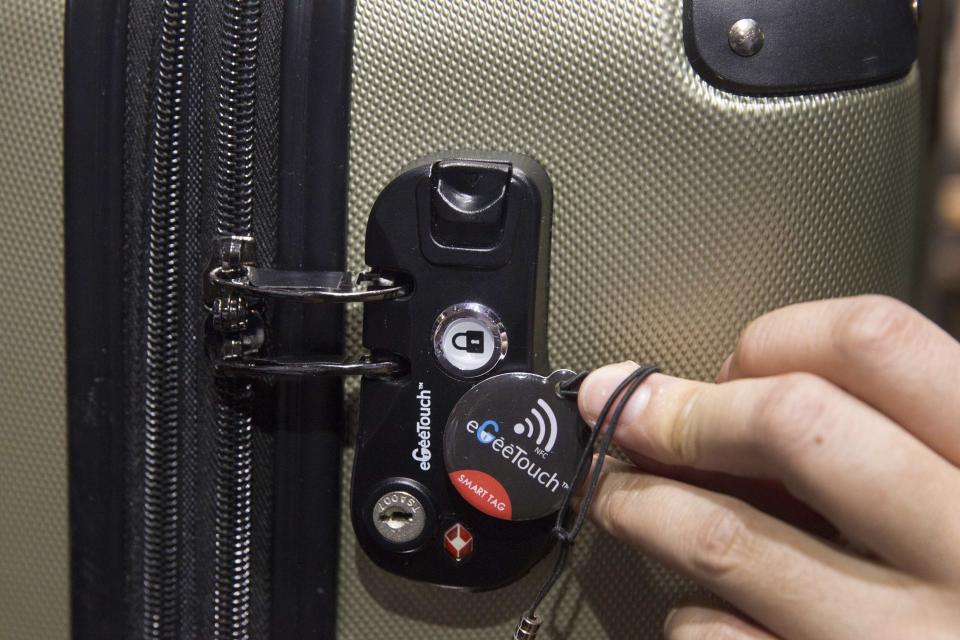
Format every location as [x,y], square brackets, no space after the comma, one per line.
[809,45]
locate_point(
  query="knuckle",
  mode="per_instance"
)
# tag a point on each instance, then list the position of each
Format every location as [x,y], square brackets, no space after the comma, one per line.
[788,419]
[722,544]
[874,325]
[752,342]
[616,506]
[682,438]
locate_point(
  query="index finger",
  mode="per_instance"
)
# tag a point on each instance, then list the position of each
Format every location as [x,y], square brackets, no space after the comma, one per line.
[792,583]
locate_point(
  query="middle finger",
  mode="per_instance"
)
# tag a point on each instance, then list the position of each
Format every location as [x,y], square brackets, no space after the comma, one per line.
[792,583]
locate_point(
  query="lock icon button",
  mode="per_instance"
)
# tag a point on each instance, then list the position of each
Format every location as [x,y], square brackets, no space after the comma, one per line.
[469,340]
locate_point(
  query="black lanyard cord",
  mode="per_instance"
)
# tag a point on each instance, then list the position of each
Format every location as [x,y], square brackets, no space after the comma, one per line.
[617,403]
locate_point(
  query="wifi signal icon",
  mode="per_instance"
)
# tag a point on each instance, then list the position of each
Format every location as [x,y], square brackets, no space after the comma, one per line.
[545,429]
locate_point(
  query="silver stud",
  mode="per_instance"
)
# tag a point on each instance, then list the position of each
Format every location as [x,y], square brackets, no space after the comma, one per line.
[746,37]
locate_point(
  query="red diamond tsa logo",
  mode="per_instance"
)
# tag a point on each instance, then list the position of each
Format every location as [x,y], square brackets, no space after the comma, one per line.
[458,542]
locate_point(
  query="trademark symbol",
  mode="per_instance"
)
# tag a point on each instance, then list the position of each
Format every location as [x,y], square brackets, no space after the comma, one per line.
[420,385]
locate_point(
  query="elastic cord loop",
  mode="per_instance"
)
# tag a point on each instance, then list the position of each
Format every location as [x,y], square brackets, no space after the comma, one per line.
[617,403]
[562,535]
[570,388]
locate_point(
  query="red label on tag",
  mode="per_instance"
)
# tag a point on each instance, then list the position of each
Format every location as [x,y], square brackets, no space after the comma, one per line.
[484,492]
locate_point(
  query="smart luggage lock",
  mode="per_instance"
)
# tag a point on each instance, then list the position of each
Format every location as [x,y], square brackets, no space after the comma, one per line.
[456,300]
[471,236]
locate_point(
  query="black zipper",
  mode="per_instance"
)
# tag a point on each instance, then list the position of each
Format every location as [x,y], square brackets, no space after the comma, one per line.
[170,342]
[163,306]
[158,128]
[233,402]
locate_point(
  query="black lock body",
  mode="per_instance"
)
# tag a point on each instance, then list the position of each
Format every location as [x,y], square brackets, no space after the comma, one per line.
[470,231]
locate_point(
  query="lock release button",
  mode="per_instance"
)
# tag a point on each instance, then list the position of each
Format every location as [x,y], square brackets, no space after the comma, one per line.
[469,340]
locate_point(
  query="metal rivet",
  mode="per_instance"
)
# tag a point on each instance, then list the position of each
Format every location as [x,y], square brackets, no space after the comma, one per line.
[746,37]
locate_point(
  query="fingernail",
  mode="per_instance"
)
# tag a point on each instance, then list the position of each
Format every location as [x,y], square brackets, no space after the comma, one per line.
[600,385]
[724,372]
[670,615]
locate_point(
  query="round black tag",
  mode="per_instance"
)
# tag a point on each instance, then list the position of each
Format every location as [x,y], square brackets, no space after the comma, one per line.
[512,443]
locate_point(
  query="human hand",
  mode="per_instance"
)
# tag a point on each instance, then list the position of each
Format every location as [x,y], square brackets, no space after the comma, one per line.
[847,407]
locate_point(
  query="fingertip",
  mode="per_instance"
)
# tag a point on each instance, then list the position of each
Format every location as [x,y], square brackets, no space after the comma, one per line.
[597,388]
[668,621]
[725,369]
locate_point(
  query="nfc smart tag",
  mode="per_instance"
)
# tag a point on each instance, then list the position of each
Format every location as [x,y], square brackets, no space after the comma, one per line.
[512,444]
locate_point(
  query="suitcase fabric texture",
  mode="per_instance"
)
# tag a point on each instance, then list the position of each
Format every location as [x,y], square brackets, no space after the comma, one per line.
[34,586]
[681,211]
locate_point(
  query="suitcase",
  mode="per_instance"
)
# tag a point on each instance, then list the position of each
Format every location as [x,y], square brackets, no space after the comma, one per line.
[699,179]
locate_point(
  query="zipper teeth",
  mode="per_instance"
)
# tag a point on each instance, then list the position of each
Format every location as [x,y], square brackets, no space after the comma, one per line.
[233,399]
[161,426]
[235,116]
[233,526]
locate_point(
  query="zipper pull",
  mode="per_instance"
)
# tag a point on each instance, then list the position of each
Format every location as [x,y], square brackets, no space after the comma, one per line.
[235,292]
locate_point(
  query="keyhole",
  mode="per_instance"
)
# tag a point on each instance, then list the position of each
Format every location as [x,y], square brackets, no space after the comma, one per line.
[395,518]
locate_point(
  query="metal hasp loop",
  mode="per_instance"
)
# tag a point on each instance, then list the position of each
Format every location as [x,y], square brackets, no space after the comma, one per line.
[307,286]
[290,368]
[234,271]
[235,291]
